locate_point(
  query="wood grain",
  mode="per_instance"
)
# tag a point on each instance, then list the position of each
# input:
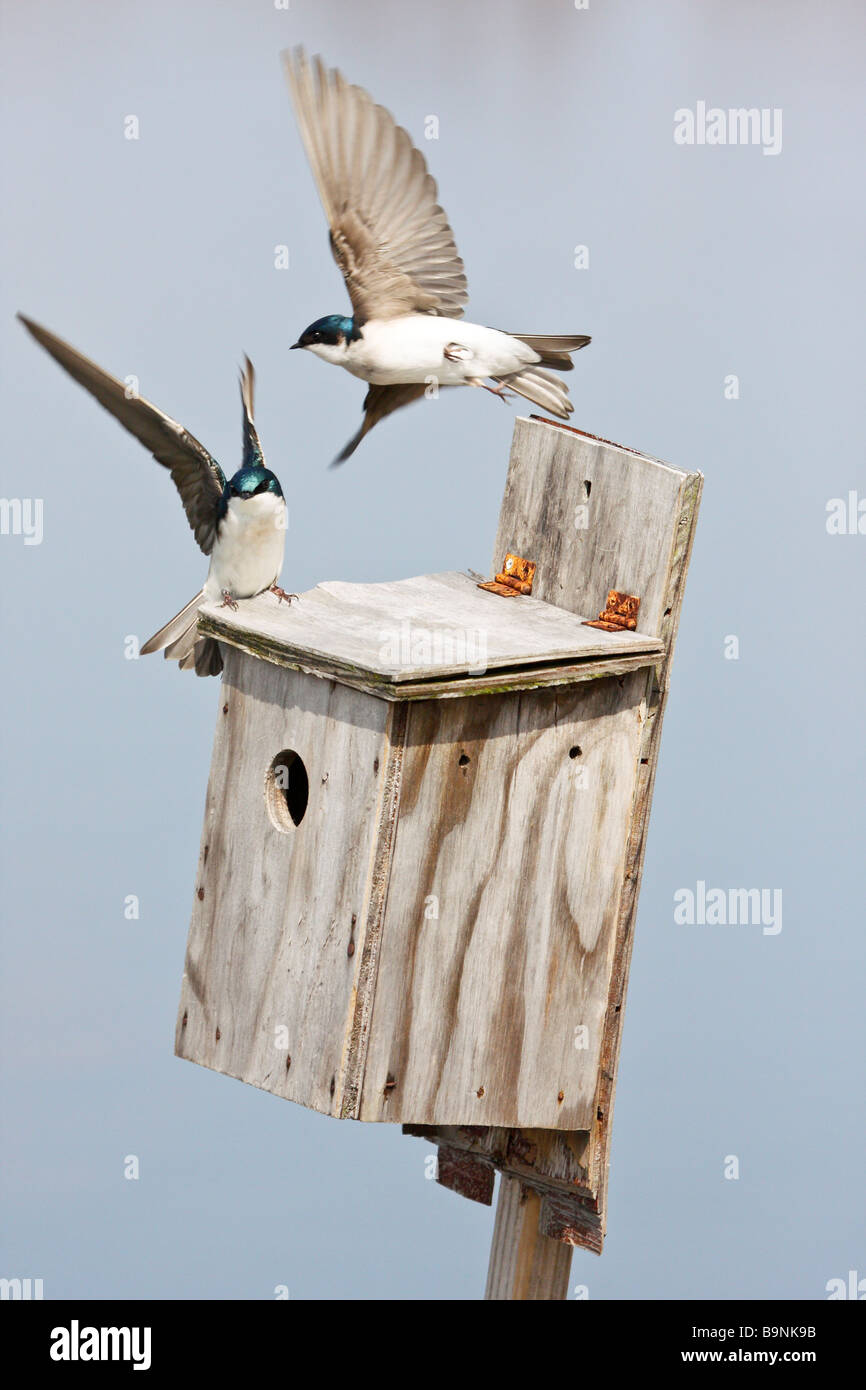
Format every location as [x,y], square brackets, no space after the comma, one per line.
[412,630]
[525,677]
[637,520]
[275,912]
[525,1264]
[513,826]
[515,800]
[632,509]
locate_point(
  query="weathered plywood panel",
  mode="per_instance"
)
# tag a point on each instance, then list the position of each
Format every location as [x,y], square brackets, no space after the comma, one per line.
[594,515]
[566,672]
[427,628]
[504,894]
[279,916]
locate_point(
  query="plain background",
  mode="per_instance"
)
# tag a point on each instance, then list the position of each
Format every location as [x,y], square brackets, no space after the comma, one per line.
[156,257]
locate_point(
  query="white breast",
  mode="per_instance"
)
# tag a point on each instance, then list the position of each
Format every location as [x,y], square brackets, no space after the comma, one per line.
[412,349]
[248,552]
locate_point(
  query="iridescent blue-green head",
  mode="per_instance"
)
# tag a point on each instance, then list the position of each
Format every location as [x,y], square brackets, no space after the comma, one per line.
[251,481]
[335,330]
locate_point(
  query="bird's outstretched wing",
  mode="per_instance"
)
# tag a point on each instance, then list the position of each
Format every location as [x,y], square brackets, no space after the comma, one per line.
[379,402]
[197,477]
[252,448]
[389,235]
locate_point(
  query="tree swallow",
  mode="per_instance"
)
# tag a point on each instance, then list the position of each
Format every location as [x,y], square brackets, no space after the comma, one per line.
[397,255]
[239,523]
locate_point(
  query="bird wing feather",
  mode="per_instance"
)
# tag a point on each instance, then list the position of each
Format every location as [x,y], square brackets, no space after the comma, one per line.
[196,475]
[252,451]
[379,402]
[388,234]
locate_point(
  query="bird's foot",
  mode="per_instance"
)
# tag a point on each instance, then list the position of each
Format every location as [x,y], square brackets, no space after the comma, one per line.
[499,391]
[281,593]
[228,601]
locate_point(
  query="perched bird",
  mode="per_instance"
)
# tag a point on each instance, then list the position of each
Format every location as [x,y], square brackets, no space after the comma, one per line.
[239,523]
[396,252]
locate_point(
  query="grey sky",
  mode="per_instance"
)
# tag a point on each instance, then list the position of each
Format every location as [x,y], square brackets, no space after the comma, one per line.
[156,257]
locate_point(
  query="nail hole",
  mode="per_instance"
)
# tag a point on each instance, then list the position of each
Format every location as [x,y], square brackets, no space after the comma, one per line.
[575,751]
[587,485]
[480,1092]
[287,790]
[667,612]
[463,759]
[218,1035]
[288,1062]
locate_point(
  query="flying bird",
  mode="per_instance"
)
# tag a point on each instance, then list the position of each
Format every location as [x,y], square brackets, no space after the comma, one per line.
[396,251]
[240,522]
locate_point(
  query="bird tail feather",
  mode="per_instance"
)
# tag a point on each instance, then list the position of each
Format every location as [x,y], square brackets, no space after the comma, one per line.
[206,657]
[542,388]
[182,643]
[175,626]
[554,350]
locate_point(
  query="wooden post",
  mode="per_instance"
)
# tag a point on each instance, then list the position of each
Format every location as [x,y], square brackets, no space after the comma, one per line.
[524,1263]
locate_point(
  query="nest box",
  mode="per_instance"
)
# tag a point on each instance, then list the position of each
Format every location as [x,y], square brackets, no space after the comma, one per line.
[426,811]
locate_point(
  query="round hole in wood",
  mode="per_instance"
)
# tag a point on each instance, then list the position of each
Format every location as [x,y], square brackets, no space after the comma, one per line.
[287,789]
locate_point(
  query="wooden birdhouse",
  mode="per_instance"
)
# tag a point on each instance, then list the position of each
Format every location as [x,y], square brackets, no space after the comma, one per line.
[425,822]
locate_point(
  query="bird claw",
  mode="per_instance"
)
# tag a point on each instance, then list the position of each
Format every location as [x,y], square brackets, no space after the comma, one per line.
[499,391]
[228,601]
[281,593]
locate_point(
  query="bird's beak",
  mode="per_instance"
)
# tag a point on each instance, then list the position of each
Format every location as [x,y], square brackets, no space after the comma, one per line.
[294,345]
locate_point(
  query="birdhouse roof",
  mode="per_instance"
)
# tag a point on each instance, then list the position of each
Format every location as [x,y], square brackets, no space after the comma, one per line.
[433,635]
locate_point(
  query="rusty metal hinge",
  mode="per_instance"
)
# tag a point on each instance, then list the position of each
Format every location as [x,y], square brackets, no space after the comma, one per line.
[620,613]
[515,577]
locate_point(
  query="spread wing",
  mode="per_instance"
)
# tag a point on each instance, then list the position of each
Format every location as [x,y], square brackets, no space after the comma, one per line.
[197,477]
[379,402]
[389,235]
